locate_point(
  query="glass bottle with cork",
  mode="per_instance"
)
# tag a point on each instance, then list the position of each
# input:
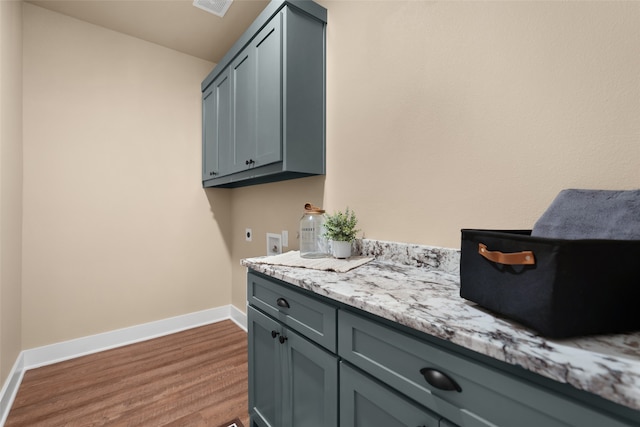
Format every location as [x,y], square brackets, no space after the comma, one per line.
[312,243]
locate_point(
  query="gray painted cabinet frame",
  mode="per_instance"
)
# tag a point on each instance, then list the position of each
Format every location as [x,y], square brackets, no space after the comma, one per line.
[379,372]
[270,125]
[293,380]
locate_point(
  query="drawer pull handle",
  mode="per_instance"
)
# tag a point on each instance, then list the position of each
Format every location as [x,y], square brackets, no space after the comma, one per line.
[274,334]
[282,339]
[439,379]
[282,303]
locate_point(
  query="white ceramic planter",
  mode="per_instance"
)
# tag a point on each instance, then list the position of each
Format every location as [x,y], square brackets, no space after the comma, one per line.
[340,249]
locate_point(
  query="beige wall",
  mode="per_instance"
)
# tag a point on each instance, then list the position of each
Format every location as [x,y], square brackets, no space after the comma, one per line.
[446,115]
[117,228]
[267,208]
[440,115]
[10,183]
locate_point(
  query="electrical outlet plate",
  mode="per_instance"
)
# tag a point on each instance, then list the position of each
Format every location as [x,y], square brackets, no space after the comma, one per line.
[285,238]
[274,244]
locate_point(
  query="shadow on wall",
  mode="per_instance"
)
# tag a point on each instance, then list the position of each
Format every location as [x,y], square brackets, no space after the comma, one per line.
[220,203]
[272,208]
[265,208]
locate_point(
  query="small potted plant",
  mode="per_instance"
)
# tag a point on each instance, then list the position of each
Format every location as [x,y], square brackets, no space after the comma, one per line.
[340,230]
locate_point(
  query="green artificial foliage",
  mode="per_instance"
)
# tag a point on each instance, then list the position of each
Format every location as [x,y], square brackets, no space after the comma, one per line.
[341,226]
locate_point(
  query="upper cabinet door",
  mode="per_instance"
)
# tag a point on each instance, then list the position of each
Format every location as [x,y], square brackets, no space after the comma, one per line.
[216,118]
[267,50]
[257,100]
[209,140]
[223,125]
[243,76]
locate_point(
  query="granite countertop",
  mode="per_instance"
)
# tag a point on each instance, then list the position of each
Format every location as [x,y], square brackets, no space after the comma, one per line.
[418,286]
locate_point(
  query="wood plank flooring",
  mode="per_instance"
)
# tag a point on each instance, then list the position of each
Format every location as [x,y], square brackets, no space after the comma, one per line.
[193,378]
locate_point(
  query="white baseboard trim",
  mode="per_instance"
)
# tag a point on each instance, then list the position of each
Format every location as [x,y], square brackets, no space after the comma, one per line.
[58,352]
[239,317]
[10,388]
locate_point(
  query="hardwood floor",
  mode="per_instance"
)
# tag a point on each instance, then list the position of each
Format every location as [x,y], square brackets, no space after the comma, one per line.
[193,378]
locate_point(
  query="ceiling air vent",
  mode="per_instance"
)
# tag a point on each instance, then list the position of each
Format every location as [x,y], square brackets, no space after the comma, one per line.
[217,7]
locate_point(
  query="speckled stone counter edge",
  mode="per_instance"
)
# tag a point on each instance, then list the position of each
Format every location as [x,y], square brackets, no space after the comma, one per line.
[445,260]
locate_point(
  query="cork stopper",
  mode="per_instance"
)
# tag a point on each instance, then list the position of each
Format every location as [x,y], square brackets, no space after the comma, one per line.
[309,208]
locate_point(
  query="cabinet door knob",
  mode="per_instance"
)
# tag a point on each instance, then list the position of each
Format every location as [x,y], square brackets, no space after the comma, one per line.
[439,380]
[213,173]
[249,162]
[282,303]
[282,339]
[274,334]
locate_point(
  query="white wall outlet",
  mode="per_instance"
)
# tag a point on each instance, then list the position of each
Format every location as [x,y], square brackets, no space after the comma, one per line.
[248,234]
[285,238]
[274,244]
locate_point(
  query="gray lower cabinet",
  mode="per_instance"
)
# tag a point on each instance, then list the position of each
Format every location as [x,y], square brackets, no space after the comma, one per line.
[314,319]
[462,390]
[275,110]
[308,353]
[265,370]
[365,402]
[293,380]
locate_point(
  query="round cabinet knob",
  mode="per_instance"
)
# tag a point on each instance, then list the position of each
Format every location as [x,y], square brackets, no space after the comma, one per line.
[282,339]
[249,162]
[274,334]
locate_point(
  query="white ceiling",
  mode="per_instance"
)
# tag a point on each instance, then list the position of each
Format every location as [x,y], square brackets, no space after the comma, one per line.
[175,24]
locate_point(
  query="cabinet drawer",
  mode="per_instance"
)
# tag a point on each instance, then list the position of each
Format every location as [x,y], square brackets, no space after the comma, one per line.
[487,397]
[365,402]
[314,319]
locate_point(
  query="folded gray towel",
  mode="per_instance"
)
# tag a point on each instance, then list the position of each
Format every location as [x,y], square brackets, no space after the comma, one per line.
[591,214]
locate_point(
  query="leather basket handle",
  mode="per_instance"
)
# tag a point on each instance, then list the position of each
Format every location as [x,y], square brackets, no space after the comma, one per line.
[513,258]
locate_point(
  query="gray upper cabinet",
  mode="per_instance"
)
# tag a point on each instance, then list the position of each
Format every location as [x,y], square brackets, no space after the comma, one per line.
[210,165]
[216,119]
[242,138]
[270,125]
[268,54]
